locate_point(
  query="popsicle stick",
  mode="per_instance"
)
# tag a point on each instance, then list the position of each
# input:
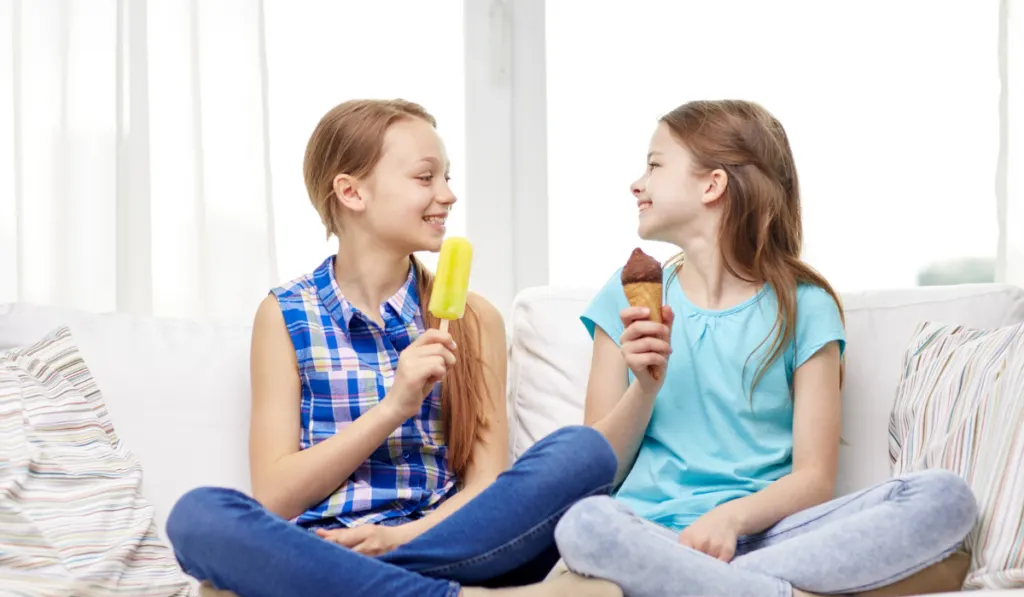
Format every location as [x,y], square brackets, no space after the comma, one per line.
[654,372]
[444,326]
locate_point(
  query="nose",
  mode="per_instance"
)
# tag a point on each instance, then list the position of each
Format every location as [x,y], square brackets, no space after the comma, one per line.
[637,187]
[445,196]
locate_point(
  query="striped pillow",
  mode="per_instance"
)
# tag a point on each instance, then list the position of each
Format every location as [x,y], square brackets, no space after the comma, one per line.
[960,407]
[72,517]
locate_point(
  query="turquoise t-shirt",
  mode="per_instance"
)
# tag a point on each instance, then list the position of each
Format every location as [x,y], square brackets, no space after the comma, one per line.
[707,441]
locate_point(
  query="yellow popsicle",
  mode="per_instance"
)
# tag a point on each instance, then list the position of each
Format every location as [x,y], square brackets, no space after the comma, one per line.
[451,282]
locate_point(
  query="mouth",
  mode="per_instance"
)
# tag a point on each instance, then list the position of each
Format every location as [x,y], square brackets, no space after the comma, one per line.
[436,220]
[644,204]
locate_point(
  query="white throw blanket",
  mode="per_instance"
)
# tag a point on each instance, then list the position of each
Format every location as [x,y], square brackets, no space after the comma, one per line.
[73,521]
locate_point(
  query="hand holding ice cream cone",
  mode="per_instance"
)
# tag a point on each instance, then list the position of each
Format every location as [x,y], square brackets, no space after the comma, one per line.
[642,283]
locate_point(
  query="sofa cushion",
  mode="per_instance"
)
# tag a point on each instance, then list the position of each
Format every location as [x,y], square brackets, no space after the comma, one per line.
[550,361]
[73,518]
[960,407]
[163,380]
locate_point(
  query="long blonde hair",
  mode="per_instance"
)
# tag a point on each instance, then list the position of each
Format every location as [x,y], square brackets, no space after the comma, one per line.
[761,230]
[349,139]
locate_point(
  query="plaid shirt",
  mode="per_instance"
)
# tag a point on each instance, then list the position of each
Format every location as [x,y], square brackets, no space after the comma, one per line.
[347,364]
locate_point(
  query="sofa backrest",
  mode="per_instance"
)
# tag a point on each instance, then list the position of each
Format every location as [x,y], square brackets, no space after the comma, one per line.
[178,391]
[550,360]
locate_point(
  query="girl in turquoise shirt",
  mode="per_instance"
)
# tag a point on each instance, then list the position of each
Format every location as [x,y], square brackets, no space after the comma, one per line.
[728,458]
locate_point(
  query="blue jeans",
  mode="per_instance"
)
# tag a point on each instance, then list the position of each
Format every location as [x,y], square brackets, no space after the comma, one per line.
[861,541]
[226,537]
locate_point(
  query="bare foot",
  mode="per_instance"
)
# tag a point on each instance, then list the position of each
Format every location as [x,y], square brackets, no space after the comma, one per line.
[565,584]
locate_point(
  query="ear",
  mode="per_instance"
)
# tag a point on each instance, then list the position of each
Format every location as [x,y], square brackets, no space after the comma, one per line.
[347,190]
[714,186]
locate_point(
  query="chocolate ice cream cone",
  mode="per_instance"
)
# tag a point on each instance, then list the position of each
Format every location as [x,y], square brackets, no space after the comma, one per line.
[641,280]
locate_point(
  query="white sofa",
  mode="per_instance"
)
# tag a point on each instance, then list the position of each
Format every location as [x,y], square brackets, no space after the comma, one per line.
[178,391]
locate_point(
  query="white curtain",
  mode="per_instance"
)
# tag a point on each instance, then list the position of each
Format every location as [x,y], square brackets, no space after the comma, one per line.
[133,156]
[137,137]
[1010,177]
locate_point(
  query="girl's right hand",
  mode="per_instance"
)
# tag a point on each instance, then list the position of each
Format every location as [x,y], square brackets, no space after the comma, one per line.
[646,344]
[420,366]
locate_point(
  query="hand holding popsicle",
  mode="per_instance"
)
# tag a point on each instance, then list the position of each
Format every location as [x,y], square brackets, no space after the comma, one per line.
[425,362]
[421,365]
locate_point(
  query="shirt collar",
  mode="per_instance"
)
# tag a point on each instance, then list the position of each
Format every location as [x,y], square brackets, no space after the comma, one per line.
[404,303]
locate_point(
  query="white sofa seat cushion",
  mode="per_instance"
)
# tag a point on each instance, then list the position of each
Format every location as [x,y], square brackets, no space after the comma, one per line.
[551,350]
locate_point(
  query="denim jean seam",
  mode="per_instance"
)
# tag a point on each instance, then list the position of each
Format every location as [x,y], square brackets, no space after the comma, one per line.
[770,535]
[537,528]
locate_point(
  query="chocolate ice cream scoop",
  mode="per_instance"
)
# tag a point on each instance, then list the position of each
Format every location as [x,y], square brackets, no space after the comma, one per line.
[641,267]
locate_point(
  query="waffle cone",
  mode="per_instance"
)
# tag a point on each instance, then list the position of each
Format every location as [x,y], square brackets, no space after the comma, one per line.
[646,294]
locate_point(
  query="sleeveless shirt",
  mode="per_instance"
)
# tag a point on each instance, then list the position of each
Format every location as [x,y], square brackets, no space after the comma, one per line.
[347,364]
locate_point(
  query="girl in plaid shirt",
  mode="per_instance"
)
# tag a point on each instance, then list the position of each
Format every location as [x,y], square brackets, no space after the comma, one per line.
[378,444]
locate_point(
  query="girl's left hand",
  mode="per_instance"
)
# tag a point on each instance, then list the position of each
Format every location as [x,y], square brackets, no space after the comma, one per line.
[367,539]
[715,534]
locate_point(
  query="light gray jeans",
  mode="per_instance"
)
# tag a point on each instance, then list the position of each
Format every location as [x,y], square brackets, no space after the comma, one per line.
[861,541]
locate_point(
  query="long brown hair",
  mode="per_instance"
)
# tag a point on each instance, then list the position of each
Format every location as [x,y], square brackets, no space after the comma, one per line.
[349,139]
[761,230]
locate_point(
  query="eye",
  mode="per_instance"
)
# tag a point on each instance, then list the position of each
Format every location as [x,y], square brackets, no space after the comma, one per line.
[652,165]
[426,177]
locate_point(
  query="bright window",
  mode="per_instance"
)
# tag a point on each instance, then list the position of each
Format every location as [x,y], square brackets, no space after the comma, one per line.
[891,108]
[323,52]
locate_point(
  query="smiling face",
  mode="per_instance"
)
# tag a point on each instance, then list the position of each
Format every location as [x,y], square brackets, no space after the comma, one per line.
[672,195]
[404,202]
